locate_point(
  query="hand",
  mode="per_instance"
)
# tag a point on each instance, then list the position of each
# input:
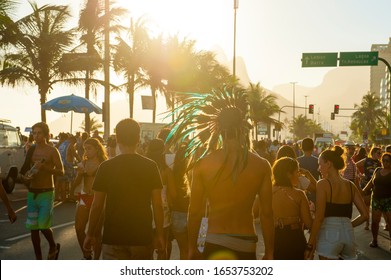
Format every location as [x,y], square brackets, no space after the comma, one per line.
[309,252]
[88,242]
[12,216]
[160,243]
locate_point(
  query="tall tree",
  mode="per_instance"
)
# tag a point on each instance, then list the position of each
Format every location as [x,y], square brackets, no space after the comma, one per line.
[155,68]
[262,107]
[129,56]
[302,127]
[37,43]
[370,117]
[7,9]
[91,26]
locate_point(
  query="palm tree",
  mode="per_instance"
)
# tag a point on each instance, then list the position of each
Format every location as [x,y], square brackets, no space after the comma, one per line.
[155,68]
[94,125]
[262,107]
[129,55]
[211,74]
[37,43]
[370,117]
[7,7]
[91,25]
[302,127]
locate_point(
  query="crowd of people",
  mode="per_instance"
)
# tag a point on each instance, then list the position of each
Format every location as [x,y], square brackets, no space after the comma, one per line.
[132,202]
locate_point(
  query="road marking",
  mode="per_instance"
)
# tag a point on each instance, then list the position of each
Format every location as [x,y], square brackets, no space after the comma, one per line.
[28,234]
[20,209]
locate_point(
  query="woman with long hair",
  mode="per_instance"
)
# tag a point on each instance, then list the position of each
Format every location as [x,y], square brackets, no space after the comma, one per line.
[332,233]
[369,165]
[155,151]
[291,211]
[179,198]
[94,155]
[381,196]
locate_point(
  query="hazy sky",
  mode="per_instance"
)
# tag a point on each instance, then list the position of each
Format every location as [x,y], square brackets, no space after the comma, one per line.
[271,34]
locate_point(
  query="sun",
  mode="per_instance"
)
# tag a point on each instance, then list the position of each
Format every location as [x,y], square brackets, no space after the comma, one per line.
[201,20]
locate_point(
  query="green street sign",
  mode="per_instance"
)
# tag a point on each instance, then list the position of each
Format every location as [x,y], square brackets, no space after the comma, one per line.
[319,59]
[358,58]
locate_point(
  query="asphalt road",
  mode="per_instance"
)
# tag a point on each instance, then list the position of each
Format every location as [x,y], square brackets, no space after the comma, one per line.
[15,241]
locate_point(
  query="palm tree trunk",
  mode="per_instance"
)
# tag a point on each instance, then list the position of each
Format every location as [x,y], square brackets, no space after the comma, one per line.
[43,111]
[87,119]
[153,90]
[256,130]
[131,94]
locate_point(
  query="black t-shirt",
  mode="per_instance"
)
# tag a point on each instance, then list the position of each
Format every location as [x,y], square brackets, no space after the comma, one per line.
[128,181]
[382,186]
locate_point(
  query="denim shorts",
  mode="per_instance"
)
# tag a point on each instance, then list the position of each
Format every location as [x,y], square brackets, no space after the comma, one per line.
[179,222]
[336,239]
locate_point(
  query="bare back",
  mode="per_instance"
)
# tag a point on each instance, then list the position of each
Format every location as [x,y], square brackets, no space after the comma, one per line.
[230,202]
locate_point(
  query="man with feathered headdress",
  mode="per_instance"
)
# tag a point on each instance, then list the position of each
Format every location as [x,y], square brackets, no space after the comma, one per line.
[226,174]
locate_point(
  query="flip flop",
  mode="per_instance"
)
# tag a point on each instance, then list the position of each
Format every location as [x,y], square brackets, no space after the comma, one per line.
[54,255]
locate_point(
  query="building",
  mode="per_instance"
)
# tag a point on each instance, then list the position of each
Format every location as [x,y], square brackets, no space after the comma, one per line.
[378,72]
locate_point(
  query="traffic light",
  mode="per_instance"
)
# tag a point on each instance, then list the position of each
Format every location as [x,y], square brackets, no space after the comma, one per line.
[311,109]
[336,109]
[332,116]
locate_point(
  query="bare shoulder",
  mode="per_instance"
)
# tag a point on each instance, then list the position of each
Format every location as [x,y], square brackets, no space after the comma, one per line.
[259,161]
[322,184]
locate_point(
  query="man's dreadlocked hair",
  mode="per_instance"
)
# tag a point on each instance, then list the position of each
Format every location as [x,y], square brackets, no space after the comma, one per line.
[208,119]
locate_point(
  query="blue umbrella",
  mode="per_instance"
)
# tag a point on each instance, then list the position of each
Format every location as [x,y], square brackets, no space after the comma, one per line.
[72,103]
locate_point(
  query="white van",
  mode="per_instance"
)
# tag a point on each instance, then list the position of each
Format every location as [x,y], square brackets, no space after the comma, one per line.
[11,154]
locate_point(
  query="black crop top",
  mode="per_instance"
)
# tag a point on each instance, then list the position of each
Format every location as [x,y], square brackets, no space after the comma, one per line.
[338,209]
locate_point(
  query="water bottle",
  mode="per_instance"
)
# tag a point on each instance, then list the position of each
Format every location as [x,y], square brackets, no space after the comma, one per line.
[34,170]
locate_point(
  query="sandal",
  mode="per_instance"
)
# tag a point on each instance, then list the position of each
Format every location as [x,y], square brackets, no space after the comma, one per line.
[54,255]
[373,244]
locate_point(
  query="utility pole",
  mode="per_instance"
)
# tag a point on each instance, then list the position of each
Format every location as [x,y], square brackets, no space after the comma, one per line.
[236,6]
[106,66]
[305,97]
[293,90]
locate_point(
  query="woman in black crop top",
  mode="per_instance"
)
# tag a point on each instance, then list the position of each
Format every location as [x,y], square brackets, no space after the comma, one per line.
[332,230]
[381,197]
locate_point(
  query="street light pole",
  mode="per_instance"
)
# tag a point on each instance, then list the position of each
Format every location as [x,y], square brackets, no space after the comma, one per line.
[236,6]
[106,69]
[293,89]
[305,97]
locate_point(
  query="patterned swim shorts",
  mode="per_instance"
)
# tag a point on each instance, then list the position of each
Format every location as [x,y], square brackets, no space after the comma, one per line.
[383,205]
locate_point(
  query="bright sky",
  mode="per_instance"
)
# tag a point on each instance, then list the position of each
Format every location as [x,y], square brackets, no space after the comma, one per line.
[271,34]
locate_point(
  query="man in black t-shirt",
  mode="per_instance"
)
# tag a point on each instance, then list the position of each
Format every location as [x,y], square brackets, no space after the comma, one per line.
[125,187]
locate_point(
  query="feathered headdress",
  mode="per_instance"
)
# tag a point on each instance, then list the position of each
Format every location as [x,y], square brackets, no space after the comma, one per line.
[204,120]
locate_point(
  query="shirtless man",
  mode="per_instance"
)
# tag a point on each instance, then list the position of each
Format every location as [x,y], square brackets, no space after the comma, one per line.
[40,197]
[231,194]
[68,156]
